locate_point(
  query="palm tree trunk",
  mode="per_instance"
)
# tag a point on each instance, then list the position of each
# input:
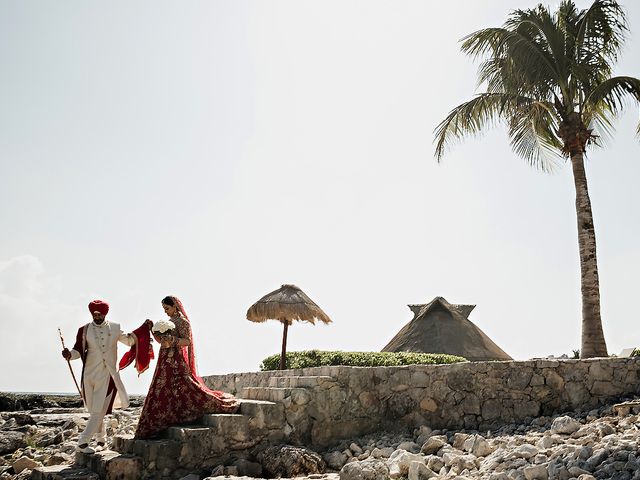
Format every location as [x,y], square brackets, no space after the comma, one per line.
[593,343]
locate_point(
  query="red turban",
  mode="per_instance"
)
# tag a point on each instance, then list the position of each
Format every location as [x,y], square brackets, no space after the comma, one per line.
[99,306]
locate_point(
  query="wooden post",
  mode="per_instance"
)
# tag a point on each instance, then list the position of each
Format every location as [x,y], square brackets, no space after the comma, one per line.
[283,355]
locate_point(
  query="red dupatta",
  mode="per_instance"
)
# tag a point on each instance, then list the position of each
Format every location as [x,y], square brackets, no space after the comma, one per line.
[141,351]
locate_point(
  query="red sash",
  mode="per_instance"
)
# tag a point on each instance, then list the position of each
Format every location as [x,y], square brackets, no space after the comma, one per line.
[141,351]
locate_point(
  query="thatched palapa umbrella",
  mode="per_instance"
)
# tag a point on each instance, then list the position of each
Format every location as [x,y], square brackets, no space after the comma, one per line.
[286,304]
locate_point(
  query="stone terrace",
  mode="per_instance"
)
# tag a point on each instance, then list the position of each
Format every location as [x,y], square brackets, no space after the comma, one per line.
[317,407]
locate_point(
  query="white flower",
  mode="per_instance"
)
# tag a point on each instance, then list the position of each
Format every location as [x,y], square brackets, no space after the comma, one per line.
[163,326]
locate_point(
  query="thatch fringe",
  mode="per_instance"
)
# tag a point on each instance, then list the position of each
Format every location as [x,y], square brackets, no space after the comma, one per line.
[286,304]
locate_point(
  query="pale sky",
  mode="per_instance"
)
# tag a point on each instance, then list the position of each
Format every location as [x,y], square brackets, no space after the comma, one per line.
[216,150]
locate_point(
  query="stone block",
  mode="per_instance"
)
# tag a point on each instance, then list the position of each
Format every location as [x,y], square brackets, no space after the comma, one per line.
[600,370]
[491,409]
[63,472]
[605,388]
[578,394]
[518,378]
[263,414]
[553,379]
[428,404]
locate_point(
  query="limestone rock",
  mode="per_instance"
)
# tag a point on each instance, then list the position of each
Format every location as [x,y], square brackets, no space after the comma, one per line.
[10,441]
[536,472]
[58,459]
[459,439]
[367,470]
[565,425]
[434,462]
[217,471]
[409,447]
[576,471]
[545,442]
[191,476]
[289,461]
[433,444]
[525,451]
[419,471]
[423,434]
[24,463]
[336,460]
[400,461]
[458,462]
[231,470]
[499,476]
[356,449]
[247,468]
[477,445]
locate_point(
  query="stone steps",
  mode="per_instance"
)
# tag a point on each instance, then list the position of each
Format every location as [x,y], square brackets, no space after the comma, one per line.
[307,381]
[109,464]
[215,439]
[212,441]
[275,394]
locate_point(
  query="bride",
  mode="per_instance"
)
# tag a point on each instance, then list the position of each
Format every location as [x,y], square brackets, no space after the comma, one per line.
[177,393]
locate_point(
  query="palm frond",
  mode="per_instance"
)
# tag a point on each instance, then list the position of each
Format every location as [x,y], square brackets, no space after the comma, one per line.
[515,60]
[602,29]
[540,26]
[602,126]
[470,118]
[607,100]
[611,94]
[532,131]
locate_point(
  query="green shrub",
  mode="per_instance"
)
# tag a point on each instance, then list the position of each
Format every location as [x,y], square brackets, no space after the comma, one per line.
[319,358]
[636,353]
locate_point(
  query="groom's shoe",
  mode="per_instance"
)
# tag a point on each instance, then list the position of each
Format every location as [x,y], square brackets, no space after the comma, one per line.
[85,448]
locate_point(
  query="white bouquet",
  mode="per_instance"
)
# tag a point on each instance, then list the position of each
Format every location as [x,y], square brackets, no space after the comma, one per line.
[163,326]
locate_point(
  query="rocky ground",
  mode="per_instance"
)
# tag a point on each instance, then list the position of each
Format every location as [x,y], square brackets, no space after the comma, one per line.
[578,445]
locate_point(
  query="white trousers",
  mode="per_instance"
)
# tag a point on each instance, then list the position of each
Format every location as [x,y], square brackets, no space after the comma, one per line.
[95,424]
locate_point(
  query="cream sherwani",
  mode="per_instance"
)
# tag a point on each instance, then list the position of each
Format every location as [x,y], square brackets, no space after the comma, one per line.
[100,366]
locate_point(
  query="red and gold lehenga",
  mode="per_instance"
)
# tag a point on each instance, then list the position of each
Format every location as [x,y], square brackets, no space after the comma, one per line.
[177,393]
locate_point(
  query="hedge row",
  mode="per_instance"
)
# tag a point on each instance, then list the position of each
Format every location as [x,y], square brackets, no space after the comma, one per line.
[319,358]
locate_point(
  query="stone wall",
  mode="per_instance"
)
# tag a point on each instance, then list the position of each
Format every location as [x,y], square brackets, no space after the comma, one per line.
[479,395]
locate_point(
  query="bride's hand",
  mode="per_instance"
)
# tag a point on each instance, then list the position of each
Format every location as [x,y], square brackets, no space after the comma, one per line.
[166,341]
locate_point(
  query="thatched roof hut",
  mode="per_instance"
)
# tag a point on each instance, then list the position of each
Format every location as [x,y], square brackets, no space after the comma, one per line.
[442,327]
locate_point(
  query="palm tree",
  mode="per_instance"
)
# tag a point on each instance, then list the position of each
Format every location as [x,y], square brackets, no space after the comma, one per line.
[549,77]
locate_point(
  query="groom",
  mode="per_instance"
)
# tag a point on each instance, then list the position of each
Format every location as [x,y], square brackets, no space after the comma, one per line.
[97,346]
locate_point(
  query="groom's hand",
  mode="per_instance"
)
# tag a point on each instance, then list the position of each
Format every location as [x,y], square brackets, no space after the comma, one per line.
[66,354]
